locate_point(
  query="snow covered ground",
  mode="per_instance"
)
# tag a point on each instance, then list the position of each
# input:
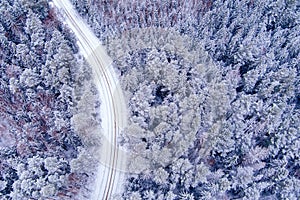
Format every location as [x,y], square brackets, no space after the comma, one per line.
[113,107]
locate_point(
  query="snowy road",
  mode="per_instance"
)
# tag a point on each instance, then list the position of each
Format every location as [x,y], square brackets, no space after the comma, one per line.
[113,107]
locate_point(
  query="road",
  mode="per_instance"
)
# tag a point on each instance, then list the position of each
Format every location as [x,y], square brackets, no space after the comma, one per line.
[113,108]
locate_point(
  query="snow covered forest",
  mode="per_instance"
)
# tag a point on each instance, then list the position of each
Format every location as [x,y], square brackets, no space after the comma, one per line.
[212,88]
[213,93]
[45,87]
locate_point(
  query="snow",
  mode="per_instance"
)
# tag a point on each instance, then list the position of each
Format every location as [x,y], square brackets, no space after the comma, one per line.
[6,138]
[112,170]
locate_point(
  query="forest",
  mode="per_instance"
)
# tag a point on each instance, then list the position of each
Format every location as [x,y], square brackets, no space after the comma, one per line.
[213,95]
[212,90]
[43,84]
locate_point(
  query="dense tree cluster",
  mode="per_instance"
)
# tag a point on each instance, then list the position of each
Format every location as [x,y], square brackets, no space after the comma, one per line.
[199,130]
[41,86]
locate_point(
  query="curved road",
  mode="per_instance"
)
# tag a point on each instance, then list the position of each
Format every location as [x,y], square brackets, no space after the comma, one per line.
[113,108]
